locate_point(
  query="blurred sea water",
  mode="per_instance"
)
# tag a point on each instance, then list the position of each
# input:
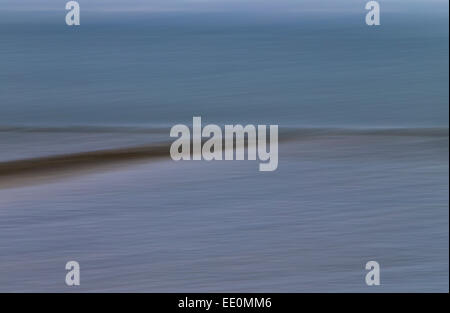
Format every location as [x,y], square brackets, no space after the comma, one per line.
[376,191]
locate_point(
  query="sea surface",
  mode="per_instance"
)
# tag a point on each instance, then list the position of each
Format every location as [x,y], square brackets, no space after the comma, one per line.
[363,174]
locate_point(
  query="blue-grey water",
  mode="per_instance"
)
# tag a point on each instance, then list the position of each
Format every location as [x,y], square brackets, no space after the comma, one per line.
[308,70]
[365,178]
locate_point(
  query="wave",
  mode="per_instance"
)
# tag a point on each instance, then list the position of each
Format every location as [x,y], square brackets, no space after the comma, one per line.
[329,131]
[287,130]
[56,165]
[85,129]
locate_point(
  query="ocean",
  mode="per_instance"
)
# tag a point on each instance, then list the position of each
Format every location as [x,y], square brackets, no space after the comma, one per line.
[363,156]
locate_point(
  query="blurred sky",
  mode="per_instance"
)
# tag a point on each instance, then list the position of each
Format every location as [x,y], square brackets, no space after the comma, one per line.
[227,5]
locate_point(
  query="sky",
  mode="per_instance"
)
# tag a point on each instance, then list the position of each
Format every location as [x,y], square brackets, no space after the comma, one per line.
[225,5]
